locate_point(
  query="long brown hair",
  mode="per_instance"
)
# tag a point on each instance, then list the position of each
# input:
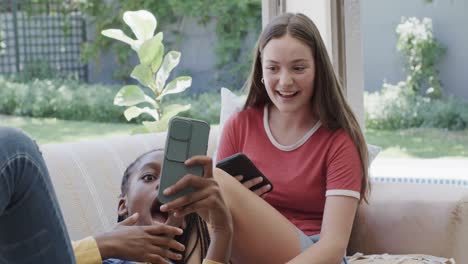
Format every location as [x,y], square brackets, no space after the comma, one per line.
[328,100]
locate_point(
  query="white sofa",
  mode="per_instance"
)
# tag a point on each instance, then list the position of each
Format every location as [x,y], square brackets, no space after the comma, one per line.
[402,218]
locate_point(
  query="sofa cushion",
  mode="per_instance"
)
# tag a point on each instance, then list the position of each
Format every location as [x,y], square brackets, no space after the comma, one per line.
[86,176]
[408,218]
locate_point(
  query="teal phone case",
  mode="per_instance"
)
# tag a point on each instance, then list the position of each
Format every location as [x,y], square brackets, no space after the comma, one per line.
[185,138]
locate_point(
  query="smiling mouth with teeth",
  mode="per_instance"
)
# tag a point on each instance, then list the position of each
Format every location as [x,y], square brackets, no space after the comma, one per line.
[287,94]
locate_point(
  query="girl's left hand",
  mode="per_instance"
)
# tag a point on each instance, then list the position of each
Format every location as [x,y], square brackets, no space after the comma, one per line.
[262,191]
[207,201]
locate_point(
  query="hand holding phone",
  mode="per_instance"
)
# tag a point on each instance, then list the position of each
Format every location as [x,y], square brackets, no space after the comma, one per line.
[185,138]
[240,164]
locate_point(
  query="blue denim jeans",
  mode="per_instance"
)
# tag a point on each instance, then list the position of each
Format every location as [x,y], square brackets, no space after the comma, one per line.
[32,229]
[307,241]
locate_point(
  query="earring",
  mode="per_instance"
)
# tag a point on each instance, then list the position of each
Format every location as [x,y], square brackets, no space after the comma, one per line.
[262,80]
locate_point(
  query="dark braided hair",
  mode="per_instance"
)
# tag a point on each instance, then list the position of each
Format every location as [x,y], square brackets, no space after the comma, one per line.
[194,221]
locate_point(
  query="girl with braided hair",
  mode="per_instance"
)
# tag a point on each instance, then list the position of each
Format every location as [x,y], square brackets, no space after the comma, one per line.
[191,213]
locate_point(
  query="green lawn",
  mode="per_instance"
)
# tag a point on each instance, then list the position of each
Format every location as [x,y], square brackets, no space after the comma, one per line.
[420,142]
[51,130]
[411,143]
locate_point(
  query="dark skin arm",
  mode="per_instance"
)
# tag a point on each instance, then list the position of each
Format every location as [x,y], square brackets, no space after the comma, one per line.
[140,243]
[207,202]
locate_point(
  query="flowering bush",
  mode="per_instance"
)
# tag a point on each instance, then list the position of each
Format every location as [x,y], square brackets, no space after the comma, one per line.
[397,107]
[416,41]
[393,107]
[402,105]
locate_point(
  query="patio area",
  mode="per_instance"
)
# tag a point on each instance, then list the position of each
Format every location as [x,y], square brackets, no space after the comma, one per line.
[448,171]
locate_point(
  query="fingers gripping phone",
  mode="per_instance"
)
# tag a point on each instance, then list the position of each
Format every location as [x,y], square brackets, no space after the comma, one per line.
[240,164]
[185,138]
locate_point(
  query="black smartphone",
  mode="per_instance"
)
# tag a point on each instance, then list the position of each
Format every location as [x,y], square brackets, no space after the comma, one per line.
[240,164]
[186,138]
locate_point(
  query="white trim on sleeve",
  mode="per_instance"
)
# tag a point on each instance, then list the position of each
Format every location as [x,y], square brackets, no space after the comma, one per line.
[349,193]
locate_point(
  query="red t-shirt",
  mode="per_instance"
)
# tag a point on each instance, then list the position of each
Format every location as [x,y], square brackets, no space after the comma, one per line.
[321,164]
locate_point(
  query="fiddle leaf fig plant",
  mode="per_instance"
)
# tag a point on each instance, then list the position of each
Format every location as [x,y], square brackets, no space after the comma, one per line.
[152,72]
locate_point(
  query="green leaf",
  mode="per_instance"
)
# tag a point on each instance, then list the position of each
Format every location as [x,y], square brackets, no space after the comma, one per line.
[172,110]
[177,85]
[151,101]
[162,124]
[119,35]
[135,111]
[155,126]
[143,74]
[129,95]
[131,113]
[171,60]
[142,23]
[151,52]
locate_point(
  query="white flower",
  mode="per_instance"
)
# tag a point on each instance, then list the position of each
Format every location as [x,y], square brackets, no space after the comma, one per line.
[142,23]
[415,30]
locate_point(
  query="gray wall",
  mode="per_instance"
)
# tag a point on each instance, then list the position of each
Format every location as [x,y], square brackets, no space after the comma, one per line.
[382,60]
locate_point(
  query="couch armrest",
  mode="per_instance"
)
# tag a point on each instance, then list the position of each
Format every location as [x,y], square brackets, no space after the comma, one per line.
[406,218]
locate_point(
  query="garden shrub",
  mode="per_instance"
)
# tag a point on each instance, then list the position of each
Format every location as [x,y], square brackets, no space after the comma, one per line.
[417,43]
[204,106]
[418,101]
[397,107]
[450,112]
[71,100]
[393,107]
[63,99]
